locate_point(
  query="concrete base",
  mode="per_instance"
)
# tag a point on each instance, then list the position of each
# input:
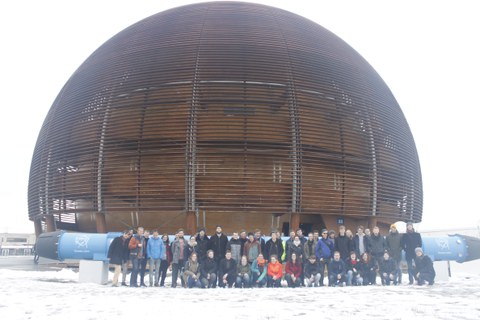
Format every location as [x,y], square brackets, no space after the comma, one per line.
[441,270]
[93,272]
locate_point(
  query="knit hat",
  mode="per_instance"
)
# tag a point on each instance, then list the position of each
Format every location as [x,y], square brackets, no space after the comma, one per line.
[393,226]
[324,230]
[418,249]
[409,223]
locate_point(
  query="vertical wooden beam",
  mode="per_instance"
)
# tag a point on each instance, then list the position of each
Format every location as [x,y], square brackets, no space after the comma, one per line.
[191,223]
[295,221]
[50,222]
[372,222]
[100,222]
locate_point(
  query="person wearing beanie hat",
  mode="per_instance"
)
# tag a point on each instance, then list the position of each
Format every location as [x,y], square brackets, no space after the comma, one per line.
[410,241]
[424,271]
[324,252]
[394,246]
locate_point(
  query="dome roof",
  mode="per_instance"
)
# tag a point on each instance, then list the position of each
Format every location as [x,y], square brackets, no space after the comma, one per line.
[235,109]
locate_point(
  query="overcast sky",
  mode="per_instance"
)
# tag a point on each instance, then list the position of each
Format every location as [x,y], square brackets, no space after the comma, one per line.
[428,53]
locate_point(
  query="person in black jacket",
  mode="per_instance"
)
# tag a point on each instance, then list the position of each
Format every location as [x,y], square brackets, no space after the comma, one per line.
[218,243]
[116,254]
[343,244]
[424,271]
[312,271]
[367,269]
[377,245]
[202,245]
[126,258]
[387,269]
[227,273]
[274,246]
[410,241]
[208,271]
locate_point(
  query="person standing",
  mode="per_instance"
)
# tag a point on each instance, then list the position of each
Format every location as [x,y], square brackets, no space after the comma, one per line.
[126,258]
[137,254]
[259,238]
[394,245]
[179,250]
[235,246]
[410,241]
[143,262]
[252,248]
[116,254]
[377,245]
[202,245]
[166,258]
[274,246]
[218,243]
[324,252]
[343,244]
[154,253]
[309,248]
[360,242]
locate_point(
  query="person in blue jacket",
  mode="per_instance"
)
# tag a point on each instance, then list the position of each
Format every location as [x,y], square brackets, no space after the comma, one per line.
[324,252]
[155,253]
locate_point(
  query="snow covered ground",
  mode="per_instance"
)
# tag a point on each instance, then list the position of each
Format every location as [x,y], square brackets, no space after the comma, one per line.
[59,295]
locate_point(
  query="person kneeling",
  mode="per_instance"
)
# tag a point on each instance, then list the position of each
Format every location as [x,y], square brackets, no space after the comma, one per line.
[424,271]
[191,272]
[293,271]
[274,273]
[336,271]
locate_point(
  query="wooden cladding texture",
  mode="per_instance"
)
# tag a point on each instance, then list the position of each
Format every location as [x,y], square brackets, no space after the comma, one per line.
[227,108]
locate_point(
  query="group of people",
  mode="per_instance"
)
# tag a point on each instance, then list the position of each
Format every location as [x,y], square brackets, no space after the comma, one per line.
[247,260]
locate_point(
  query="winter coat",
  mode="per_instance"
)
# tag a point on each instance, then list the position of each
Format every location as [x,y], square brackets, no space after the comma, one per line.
[275,270]
[353,265]
[394,245]
[218,243]
[227,267]
[262,270]
[410,241]
[294,268]
[116,250]
[191,269]
[202,247]
[298,250]
[365,268]
[155,248]
[252,250]
[176,250]
[337,267]
[308,249]
[207,267]
[272,248]
[243,269]
[324,248]
[344,245]
[377,245]
[286,247]
[311,269]
[135,249]
[235,247]
[424,265]
[387,266]
[167,252]
[356,244]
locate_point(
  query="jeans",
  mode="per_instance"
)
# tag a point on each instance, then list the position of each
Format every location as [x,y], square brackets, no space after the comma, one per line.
[387,278]
[163,272]
[411,271]
[135,269]
[175,268]
[243,281]
[260,283]
[143,267]
[211,282]
[291,283]
[314,280]
[193,283]
[333,280]
[154,265]
[354,279]
[273,283]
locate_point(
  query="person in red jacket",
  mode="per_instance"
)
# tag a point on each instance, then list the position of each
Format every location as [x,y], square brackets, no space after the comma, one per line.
[274,272]
[293,271]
